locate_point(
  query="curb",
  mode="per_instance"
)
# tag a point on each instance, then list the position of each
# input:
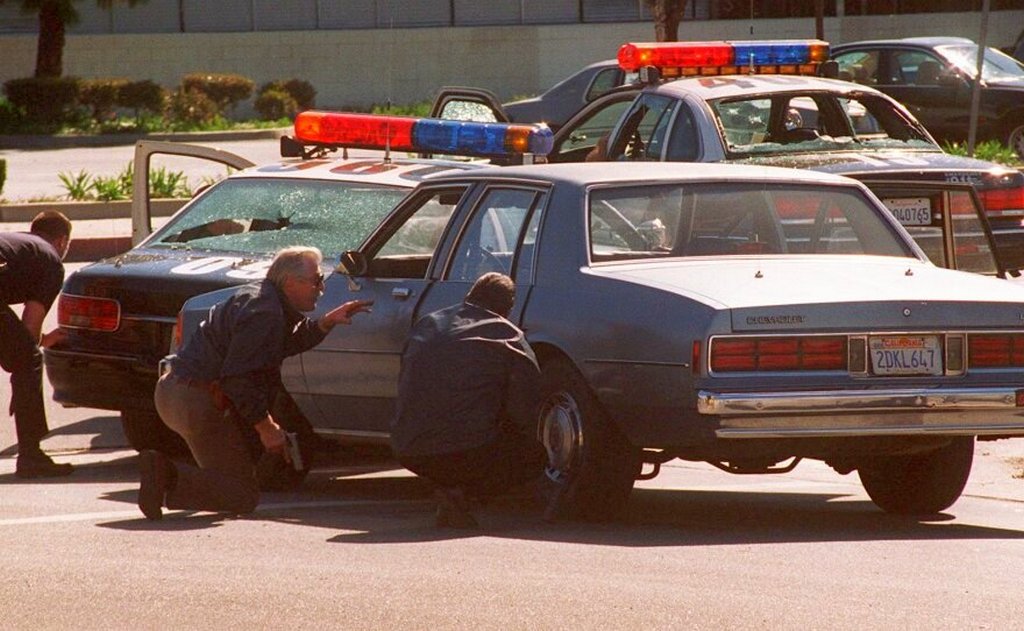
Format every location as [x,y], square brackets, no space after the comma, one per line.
[113,140]
[79,211]
[91,249]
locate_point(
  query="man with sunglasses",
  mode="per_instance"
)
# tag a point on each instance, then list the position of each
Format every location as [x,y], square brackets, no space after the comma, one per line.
[217,391]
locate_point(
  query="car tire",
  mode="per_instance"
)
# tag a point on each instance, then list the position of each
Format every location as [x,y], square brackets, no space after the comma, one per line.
[586,452]
[1015,138]
[145,430]
[919,484]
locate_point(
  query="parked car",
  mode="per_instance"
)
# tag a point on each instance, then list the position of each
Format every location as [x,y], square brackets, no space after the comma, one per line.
[935,76]
[560,102]
[118,313]
[762,103]
[678,311]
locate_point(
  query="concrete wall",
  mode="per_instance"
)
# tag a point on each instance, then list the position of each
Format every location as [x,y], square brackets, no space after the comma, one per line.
[362,67]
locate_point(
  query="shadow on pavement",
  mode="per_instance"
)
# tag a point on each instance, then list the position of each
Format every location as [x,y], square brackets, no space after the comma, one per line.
[105,433]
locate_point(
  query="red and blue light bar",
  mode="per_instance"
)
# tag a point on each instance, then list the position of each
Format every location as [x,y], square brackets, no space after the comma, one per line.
[710,58]
[426,135]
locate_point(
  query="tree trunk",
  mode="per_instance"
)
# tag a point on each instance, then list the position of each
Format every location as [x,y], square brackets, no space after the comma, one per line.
[667,16]
[50,49]
[819,19]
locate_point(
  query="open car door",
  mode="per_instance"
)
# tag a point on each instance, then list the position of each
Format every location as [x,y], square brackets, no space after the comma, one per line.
[142,215]
[468,104]
[947,221]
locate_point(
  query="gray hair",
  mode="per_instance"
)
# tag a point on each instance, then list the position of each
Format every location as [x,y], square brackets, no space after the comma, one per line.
[290,262]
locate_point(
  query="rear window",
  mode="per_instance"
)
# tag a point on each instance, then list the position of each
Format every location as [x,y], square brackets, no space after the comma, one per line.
[262,215]
[813,122]
[660,221]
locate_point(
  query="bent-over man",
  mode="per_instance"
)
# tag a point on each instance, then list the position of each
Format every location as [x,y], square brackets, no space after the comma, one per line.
[31,273]
[218,391]
[467,401]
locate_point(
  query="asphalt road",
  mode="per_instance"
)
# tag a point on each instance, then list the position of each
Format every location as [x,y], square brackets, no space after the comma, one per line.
[355,548]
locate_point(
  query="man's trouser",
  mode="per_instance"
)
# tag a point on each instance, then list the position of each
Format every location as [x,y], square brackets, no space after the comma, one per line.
[20,356]
[225,480]
[485,471]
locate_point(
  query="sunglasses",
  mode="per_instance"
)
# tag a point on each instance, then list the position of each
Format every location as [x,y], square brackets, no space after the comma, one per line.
[316,280]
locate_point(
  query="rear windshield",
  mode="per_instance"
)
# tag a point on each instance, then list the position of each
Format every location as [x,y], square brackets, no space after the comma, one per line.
[813,122]
[261,215]
[686,220]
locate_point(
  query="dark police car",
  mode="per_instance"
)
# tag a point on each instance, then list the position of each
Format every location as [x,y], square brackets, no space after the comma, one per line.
[119,312]
[934,77]
[763,103]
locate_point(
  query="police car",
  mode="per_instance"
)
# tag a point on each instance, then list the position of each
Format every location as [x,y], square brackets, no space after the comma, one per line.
[731,336]
[118,313]
[765,103]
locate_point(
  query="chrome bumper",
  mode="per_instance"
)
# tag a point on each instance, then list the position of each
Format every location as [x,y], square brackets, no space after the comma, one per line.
[949,411]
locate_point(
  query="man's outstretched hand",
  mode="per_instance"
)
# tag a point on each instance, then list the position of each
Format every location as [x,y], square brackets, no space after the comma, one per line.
[343,313]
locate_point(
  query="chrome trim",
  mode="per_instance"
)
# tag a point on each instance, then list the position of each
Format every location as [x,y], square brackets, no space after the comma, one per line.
[355,433]
[846,432]
[56,352]
[634,362]
[160,319]
[839,401]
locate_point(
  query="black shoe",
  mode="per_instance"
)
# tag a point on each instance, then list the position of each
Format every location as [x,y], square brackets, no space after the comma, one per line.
[453,510]
[37,464]
[155,474]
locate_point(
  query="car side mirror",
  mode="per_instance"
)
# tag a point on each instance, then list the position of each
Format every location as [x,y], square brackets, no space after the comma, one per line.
[352,263]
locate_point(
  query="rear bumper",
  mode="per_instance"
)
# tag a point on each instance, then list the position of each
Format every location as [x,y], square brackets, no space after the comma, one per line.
[946,411]
[108,382]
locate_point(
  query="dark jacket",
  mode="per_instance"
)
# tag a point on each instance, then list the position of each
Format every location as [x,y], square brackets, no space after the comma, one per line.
[465,370]
[30,269]
[242,344]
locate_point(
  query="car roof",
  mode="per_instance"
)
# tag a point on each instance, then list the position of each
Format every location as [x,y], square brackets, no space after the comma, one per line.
[717,87]
[916,41]
[401,172]
[585,173]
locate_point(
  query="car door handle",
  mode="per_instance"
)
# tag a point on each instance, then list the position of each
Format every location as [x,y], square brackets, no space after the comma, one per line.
[401,293]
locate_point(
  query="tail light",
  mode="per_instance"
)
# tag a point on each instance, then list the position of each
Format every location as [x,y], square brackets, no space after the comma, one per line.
[86,312]
[743,354]
[179,327]
[1003,201]
[995,350]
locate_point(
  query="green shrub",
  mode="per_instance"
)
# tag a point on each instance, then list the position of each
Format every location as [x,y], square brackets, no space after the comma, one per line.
[47,100]
[142,96]
[164,183]
[275,104]
[77,185]
[302,91]
[3,174]
[990,150]
[226,90]
[421,109]
[10,117]
[100,96]
[193,107]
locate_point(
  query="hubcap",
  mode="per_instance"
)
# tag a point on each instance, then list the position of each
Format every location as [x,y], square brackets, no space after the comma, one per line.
[561,432]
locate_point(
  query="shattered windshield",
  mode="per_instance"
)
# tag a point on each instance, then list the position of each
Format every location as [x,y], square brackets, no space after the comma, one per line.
[263,215]
[813,122]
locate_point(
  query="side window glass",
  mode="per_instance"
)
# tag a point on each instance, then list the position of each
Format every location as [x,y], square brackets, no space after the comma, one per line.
[604,81]
[407,252]
[581,141]
[528,249]
[860,67]
[744,123]
[915,68]
[488,243]
[643,131]
[683,141]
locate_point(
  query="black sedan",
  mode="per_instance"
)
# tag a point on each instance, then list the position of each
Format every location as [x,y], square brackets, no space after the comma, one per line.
[934,78]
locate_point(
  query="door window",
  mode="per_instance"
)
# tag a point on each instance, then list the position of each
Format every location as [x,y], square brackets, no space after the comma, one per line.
[407,252]
[645,128]
[491,237]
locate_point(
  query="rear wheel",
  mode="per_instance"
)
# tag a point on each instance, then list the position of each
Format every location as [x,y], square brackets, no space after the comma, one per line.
[144,430]
[919,484]
[585,450]
[1015,138]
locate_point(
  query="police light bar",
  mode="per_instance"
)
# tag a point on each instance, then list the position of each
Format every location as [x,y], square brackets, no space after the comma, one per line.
[421,135]
[715,58]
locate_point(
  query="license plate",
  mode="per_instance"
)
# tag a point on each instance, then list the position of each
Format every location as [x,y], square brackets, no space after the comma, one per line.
[911,212]
[906,355]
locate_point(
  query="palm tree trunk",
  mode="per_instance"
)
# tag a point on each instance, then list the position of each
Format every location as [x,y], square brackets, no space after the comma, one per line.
[50,49]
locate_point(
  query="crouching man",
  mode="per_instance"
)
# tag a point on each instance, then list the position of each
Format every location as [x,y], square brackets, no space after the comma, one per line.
[467,401]
[218,391]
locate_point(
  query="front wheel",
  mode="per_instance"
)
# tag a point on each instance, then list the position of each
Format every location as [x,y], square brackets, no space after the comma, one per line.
[919,484]
[585,450]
